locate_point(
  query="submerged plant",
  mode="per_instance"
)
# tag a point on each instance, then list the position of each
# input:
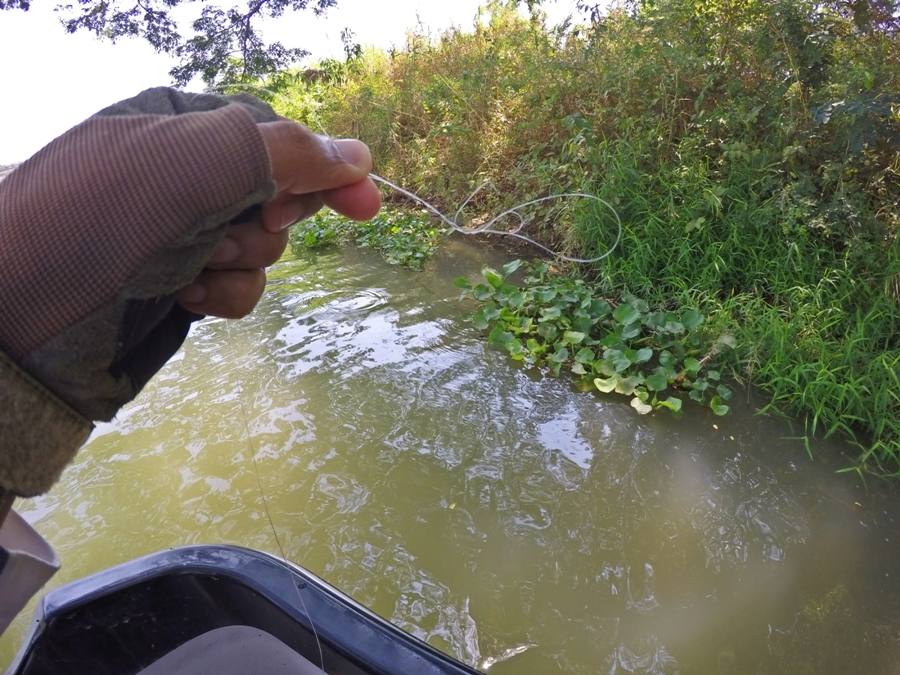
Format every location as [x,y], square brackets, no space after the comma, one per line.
[653,355]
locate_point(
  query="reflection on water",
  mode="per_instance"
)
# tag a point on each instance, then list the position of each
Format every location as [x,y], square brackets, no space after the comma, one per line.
[508,519]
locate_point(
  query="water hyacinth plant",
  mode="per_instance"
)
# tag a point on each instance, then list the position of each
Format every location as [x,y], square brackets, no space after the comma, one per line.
[403,237]
[623,346]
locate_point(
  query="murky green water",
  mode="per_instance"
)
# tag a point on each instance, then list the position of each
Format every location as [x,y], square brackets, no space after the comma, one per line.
[514,522]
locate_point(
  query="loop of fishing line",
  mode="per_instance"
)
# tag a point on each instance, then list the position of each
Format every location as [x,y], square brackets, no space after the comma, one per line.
[487,227]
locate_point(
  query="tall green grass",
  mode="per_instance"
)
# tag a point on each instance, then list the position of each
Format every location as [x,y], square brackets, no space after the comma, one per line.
[750,146]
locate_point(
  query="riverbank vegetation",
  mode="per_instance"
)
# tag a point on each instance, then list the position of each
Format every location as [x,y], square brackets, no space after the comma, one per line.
[402,236]
[751,148]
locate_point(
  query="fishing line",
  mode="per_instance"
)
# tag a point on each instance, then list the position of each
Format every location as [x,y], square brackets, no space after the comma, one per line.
[487,227]
[251,446]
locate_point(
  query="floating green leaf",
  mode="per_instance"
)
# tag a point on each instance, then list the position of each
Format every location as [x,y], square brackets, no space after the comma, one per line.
[718,407]
[691,365]
[499,337]
[511,267]
[656,382]
[641,407]
[492,277]
[462,282]
[482,293]
[548,331]
[672,403]
[606,385]
[585,355]
[627,385]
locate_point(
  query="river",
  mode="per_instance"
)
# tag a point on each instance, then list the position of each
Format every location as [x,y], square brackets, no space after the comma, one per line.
[505,517]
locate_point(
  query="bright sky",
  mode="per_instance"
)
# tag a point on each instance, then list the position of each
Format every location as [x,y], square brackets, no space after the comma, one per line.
[50,81]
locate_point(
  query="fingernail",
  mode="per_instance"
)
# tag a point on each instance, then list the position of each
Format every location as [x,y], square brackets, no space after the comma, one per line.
[355,152]
[193,294]
[226,251]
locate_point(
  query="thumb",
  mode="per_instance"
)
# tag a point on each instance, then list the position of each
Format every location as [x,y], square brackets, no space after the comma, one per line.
[304,162]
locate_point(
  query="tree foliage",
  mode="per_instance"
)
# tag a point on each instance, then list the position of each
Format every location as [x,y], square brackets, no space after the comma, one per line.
[225,43]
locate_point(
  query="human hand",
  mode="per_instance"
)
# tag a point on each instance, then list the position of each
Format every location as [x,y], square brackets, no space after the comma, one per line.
[106,234]
[308,171]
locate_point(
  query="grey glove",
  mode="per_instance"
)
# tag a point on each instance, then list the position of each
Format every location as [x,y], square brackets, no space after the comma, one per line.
[97,232]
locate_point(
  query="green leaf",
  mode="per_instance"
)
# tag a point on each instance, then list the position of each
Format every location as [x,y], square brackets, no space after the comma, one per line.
[546,295]
[627,385]
[618,360]
[585,355]
[724,392]
[641,407]
[492,277]
[511,267]
[499,337]
[644,355]
[696,395]
[482,292]
[606,385]
[611,340]
[599,309]
[631,331]
[672,403]
[655,319]
[573,337]
[666,359]
[579,369]
[603,367]
[674,327]
[626,314]
[561,355]
[656,382]
[695,224]
[535,347]
[691,318]
[718,407]
[462,282]
[726,340]
[691,365]
[548,331]
[480,319]
[582,324]
[550,313]
[713,375]
[515,298]
[514,347]
[640,305]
